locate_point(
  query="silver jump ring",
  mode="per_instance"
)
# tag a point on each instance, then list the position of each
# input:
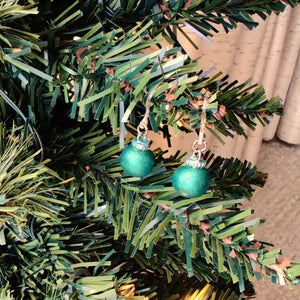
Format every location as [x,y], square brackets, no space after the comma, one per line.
[196,146]
[142,130]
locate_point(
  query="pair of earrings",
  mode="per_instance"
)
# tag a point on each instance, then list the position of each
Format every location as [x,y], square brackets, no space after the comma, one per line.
[190,180]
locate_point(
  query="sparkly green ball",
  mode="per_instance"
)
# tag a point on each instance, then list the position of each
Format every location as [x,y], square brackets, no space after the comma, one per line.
[136,159]
[191,182]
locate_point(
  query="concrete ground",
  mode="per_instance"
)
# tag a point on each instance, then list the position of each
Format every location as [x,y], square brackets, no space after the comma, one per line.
[278,203]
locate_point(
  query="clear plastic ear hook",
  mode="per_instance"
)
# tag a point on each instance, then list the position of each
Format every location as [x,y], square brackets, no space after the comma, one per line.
[199,146]
[142,128]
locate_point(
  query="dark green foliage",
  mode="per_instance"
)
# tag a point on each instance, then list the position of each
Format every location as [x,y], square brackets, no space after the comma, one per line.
[89,77]
[72,223]
[235,178]
[203,17]
[26,188]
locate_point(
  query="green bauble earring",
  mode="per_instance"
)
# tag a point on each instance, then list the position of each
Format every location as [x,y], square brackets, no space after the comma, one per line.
[136,159]
[191,180]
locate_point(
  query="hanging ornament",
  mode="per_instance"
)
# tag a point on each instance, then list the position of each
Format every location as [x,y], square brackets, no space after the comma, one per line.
[136,159]
[193,180]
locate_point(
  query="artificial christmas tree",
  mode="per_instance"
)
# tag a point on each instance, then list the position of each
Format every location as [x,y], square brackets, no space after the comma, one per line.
[75,76]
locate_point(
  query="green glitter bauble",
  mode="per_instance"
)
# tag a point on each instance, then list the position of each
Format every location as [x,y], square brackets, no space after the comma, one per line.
[136,159]
[191,182]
